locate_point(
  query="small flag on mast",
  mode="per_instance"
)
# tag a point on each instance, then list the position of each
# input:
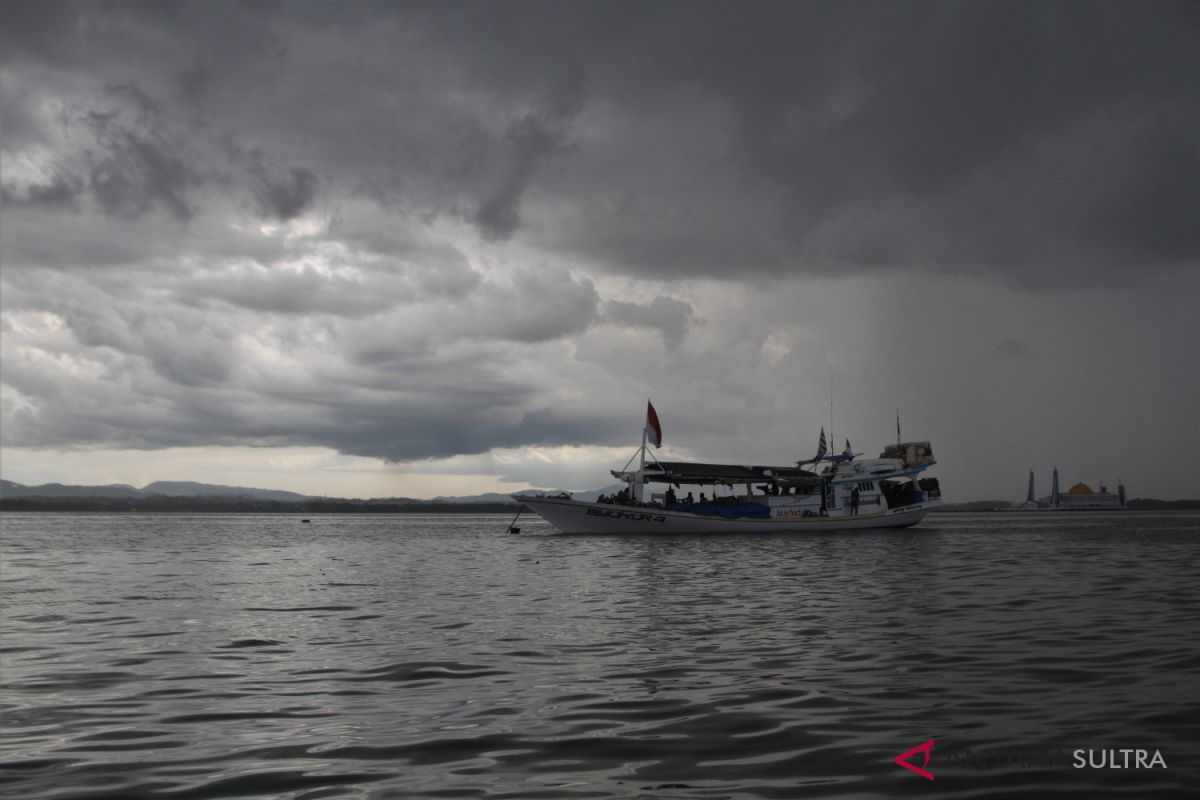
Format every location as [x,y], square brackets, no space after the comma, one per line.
[821,447]
[653,428]
[847,451]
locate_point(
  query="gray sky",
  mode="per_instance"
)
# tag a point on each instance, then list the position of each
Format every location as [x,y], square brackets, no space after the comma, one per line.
[374,249]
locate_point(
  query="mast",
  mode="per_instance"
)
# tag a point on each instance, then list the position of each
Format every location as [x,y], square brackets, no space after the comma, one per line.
[636,493]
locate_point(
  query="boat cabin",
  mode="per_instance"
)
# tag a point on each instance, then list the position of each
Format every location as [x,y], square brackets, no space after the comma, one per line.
[834,486]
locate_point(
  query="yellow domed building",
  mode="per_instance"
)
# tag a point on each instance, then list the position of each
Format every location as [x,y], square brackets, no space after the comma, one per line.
[1080,497]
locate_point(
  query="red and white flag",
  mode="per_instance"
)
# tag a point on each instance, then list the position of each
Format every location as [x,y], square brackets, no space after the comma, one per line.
[653,428]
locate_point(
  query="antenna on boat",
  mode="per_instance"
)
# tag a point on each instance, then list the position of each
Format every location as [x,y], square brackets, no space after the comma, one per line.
[832,438]
[897,427]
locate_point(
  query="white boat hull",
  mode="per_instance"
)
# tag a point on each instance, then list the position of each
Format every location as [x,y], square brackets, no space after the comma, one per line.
[573,516]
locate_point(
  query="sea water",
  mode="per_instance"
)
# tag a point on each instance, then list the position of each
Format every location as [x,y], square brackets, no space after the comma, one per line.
[397,656]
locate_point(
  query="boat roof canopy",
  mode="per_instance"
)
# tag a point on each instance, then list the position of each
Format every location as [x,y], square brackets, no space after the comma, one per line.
[696,472]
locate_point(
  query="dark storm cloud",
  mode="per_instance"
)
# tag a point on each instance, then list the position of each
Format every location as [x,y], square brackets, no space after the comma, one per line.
[330,223]
[939,107]
[468,426]
[532,308]
[530,140]
[148,381]
[302,291]
[137,174]
[42,31]
[133,161]
[282,197]
[666,315]
[310,362]
[835,135]
[61,191]
[1044,142]
[537,307]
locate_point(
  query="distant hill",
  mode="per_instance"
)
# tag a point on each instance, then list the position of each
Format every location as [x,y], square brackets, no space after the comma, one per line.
[192,489]
[213,492]
[490,497]
[9,489]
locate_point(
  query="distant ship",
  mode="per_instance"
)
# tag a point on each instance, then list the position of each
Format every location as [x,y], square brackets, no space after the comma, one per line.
[1079,497]
[825,493]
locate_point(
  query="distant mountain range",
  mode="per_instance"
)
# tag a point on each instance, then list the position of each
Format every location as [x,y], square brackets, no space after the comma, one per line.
[181,495]
[156,489]
[9,489]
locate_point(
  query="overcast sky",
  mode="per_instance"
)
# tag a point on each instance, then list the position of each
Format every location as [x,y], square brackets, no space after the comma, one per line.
[417,249]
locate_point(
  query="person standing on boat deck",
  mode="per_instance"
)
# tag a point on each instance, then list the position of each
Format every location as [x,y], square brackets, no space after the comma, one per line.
[854,500]
[689,499]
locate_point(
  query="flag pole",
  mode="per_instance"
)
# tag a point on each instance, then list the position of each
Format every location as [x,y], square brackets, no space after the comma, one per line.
[637,495]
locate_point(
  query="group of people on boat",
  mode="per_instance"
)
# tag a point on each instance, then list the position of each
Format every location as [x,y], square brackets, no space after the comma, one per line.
[896,495]
[623,498]
[670,499]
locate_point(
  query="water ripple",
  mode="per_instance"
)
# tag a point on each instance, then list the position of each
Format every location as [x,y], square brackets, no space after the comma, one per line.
[391,657]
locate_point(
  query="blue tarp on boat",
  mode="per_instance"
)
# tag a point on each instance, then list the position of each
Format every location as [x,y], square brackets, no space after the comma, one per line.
[726,510]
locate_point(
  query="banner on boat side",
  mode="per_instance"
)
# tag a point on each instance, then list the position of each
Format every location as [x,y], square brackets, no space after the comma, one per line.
[637,516]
